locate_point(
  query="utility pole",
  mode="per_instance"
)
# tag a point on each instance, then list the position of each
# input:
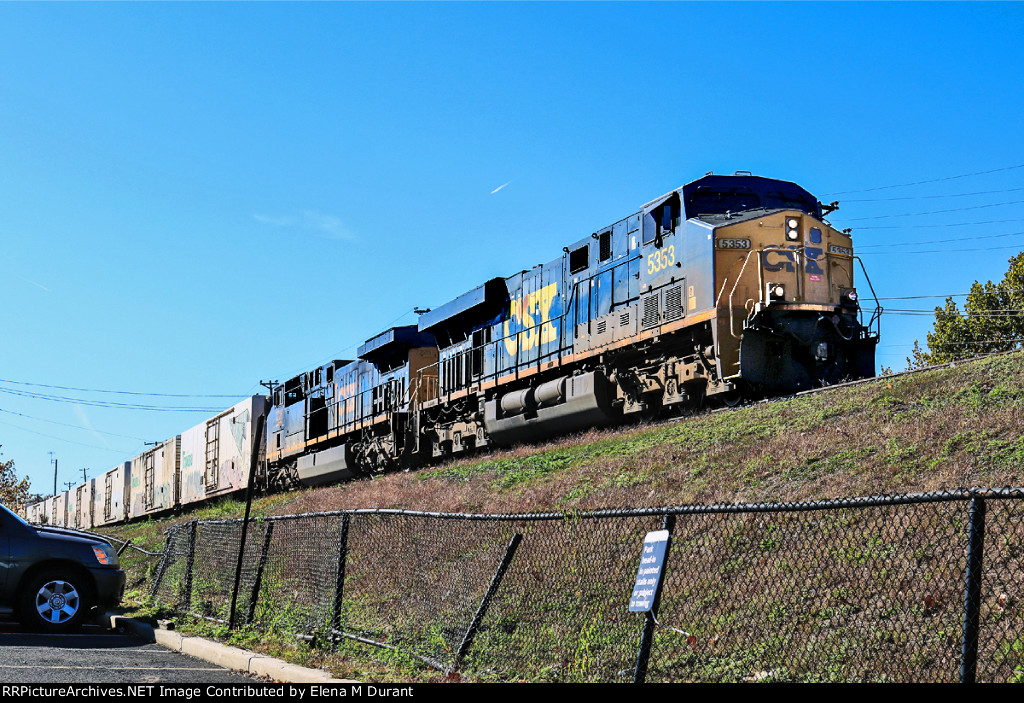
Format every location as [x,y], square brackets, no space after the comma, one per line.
[54,462]
[85,478]
[269,385]
[69,484]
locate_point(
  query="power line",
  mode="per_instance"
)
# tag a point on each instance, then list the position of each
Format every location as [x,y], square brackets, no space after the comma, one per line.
[1004,340]
[62,439]
[935,212]
[937,251]
[1014,311]
[933,197]
[938,241]
[99,390]
[968,315]
[919,297]
[106,404]
[945,224]
[932,180]
[65,424]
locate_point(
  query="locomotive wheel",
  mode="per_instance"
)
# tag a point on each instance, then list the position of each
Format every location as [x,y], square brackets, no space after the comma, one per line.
[831,374]
[652,411]
[733,398]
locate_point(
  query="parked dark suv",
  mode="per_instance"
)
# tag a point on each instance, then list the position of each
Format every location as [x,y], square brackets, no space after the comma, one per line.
[51,577]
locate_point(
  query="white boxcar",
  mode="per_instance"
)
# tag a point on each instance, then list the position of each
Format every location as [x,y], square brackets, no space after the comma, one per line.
[48,510]
[81,516]
[110,497]
[154,484]
[35,512]
[71,507]
[59,517]
[215,454]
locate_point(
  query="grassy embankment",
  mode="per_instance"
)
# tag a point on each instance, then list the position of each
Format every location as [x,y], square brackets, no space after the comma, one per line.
[945,428]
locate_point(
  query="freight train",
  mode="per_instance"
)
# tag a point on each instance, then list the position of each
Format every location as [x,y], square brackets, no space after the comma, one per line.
[731,286]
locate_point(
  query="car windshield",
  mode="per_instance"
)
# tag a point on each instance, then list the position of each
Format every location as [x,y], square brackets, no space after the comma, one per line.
[13,514]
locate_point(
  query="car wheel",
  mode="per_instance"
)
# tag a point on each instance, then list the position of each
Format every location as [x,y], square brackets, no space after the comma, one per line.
[55,600]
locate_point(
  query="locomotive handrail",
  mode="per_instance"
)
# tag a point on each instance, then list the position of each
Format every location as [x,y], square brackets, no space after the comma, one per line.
[739,277]
[876,316]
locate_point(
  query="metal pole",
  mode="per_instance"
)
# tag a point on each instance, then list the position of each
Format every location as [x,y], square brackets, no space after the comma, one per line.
[258,581]
[257,435]
[339,581]
[187,602]
[643,655]
[162,566]
[972,591]
[467,640]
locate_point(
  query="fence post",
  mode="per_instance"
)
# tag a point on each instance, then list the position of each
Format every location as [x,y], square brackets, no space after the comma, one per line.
[339,580]
[162,566]
[481,610]
[189,562]
[259,572]
[972,590]
[644,654]
[254,460]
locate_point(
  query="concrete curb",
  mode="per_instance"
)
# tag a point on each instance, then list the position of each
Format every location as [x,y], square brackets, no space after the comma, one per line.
[221,654]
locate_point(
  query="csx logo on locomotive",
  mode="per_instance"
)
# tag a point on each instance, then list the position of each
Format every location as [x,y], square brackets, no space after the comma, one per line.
[778,260]
[529,320]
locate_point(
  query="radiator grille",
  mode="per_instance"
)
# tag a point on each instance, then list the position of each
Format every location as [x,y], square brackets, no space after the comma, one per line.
[674,303]
[651,317]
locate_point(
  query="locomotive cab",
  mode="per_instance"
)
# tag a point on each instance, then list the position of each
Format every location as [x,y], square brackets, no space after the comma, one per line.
[788,310]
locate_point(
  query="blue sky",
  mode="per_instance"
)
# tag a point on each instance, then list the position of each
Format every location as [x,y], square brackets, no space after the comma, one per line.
[196,197]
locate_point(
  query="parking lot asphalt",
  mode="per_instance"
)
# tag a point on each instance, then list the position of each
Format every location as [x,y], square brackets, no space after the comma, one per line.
[98,655]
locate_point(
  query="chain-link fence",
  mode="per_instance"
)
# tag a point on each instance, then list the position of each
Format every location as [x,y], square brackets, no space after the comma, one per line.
[900,588]
[139,564]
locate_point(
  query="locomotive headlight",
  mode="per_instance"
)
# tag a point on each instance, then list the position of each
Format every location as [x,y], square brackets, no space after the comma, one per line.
[792,229]
[776,293]
[848,297]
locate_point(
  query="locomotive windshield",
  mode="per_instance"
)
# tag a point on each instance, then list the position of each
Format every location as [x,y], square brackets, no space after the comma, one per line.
[718,195]
[718,201]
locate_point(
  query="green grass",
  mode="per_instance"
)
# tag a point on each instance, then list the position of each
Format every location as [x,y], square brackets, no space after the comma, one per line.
[941,429]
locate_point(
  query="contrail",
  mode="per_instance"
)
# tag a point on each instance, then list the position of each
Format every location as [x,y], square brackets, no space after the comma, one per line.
[499,188]
[85,419]
[40,285]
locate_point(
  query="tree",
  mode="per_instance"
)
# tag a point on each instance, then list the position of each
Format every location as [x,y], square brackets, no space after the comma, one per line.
[13,491]
[918,359]
[992,319]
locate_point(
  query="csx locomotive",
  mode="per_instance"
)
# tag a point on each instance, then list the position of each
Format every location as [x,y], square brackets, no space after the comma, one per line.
[730,285]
